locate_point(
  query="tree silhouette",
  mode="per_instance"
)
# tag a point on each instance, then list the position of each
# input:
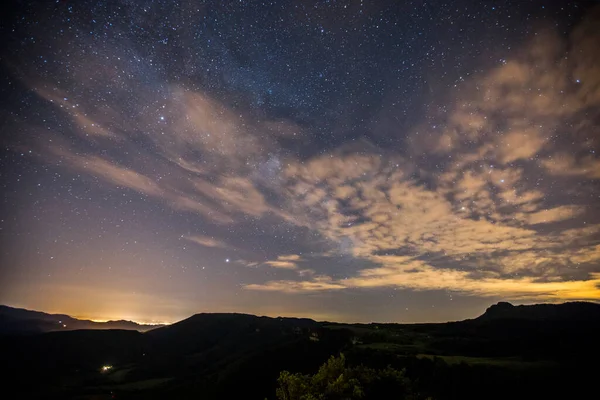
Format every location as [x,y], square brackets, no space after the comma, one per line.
[336,381]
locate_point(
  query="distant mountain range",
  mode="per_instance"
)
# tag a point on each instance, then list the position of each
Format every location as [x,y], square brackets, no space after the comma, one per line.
[18,321]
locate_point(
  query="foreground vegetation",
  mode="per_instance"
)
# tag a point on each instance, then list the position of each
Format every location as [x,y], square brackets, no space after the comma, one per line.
[336,381]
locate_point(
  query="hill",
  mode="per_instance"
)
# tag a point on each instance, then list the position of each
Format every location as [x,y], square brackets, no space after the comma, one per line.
[572,311]
[510,351]
[20,321]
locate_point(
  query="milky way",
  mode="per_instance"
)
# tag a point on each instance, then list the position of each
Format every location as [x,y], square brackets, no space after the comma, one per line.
[350,161]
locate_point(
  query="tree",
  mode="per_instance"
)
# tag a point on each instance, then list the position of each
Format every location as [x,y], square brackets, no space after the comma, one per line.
[336,381]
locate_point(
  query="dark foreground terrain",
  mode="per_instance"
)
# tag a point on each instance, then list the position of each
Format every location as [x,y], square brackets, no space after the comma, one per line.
[528,352]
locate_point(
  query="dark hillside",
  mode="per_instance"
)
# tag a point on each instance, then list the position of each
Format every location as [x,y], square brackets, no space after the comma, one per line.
[215,356]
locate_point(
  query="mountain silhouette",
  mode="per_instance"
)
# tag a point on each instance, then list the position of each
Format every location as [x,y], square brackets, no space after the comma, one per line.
[572,311]
[19,320]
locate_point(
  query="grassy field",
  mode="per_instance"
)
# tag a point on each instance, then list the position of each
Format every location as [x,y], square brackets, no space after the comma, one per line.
[504,362]
[139,385]
[394,347]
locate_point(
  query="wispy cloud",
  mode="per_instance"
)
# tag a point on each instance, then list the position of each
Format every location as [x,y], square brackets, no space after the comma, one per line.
[204,160]
[127,178]
[290,257]
[207,241]
[319,283]
[563,164]
[285,262]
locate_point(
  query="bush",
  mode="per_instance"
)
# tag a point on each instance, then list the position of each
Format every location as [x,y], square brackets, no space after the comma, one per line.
[336,381]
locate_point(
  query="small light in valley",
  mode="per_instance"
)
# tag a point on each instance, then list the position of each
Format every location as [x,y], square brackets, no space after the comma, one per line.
[227,260]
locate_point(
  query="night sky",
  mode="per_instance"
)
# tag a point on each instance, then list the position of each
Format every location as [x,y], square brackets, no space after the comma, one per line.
[349,161]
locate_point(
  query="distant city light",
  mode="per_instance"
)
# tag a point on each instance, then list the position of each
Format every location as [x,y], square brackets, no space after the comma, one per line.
[106,368]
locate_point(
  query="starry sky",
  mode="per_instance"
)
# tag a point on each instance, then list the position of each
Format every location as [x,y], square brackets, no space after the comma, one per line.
[341,160]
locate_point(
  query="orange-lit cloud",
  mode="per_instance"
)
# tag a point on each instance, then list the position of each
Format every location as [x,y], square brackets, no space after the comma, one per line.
[285,262]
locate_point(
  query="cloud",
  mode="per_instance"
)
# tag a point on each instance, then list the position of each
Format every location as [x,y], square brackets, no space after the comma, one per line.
[319,283]
[203,156]
[123,177]
[415,275]
[562,164]
[420,276]
[520,144]
[87,126]
[285,262]
[281,264]
[115,174]
[207,241]
[484,214]
[246,263]
[291,257]
[210,125]
[554,214]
